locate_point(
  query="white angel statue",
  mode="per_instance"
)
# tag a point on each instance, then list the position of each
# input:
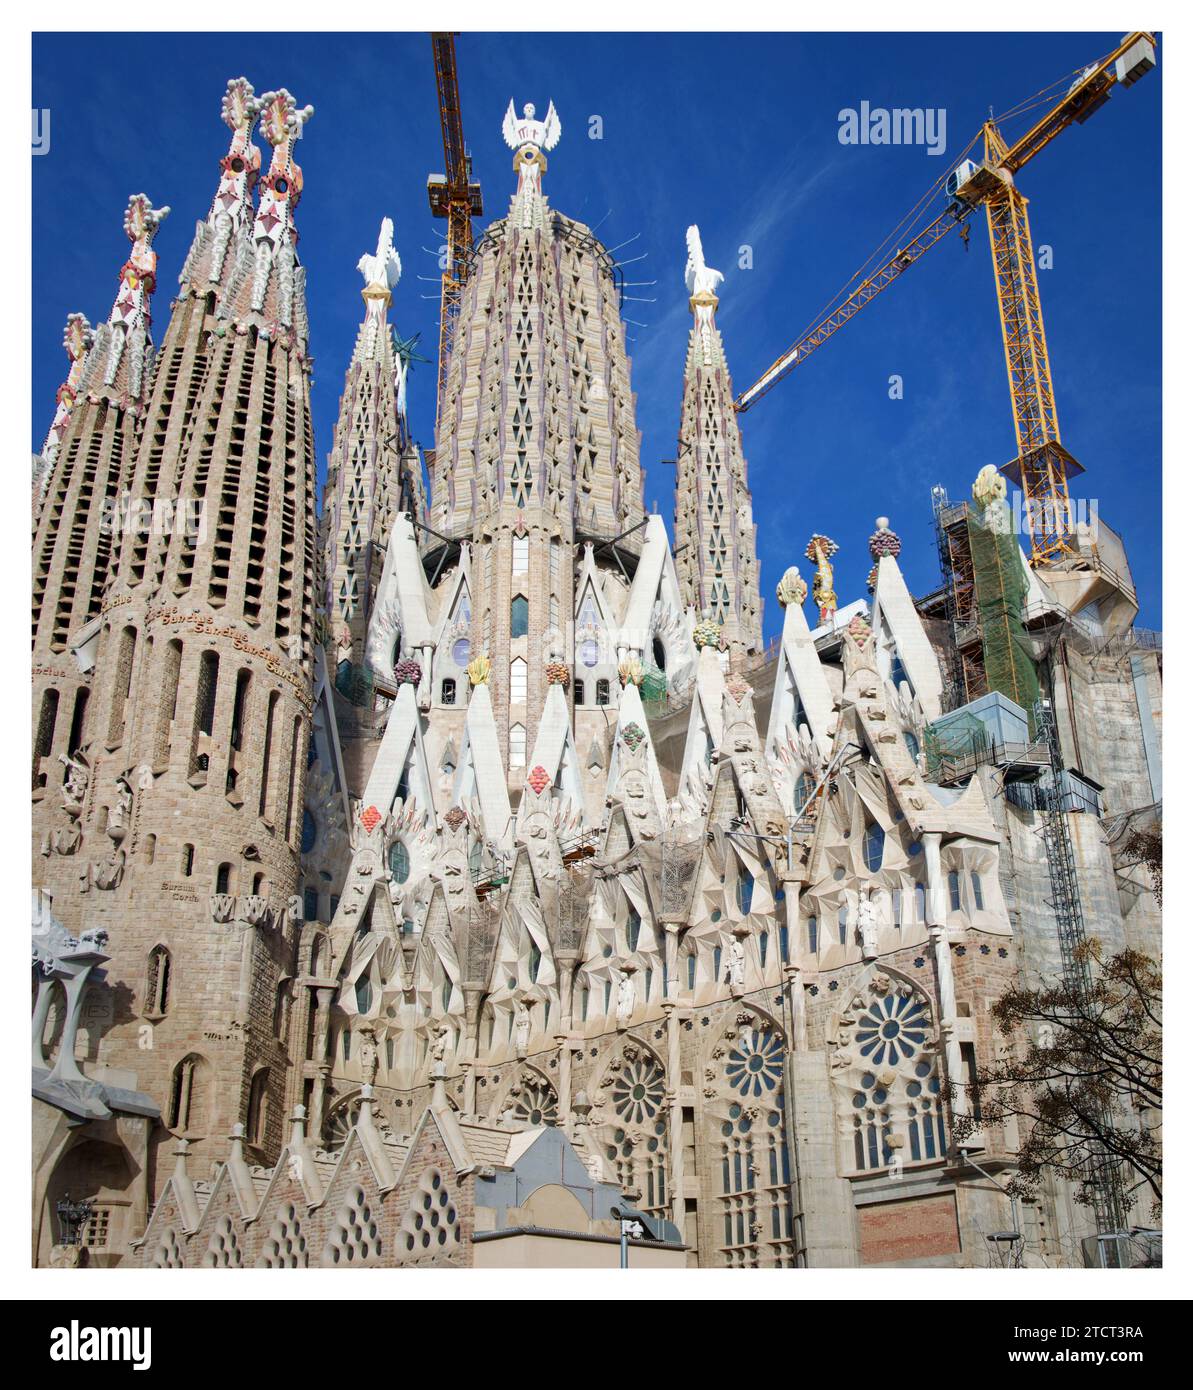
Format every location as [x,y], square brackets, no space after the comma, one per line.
[543,135]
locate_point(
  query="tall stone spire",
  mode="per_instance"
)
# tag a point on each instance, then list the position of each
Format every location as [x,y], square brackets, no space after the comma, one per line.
[76,340]
[372,467]
[537,452]
[187,773]
[714,520]
[96,429]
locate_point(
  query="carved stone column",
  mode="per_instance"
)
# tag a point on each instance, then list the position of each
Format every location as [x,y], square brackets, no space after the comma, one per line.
[943,958]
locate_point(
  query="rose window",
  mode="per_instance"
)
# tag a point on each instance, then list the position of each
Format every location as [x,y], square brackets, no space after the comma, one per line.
[536,1104]
[892,1030]
[638,1090]
[755,1064]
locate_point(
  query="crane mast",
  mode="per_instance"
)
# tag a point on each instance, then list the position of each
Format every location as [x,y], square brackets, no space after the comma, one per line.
[453,195]
[1042,466]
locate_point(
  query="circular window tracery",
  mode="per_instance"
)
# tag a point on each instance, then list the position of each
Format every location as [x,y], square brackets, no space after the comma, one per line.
[755,1065]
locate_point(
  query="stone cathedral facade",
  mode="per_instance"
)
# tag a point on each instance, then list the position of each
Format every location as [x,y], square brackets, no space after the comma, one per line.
[392,857]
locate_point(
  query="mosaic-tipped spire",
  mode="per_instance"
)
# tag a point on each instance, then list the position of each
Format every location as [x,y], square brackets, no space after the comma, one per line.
[129,321]
[884,541]
[280,189]
[241,166]
[820,551]
[76,340]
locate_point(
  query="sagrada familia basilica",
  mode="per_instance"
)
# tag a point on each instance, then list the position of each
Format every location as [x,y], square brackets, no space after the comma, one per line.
[443,871]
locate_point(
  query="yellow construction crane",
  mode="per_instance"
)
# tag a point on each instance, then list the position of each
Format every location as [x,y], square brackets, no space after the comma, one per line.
[1042,466]
[454,195]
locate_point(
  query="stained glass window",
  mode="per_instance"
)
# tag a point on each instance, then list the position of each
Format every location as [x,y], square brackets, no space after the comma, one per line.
[399,861]
[873,844]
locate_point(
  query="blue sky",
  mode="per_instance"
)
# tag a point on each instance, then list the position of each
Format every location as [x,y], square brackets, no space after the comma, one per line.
[735,132]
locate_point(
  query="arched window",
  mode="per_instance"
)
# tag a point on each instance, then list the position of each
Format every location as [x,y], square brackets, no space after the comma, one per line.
[813,936]
[976,884]
[447,692]
[584,1004]
[635,1135]
[188,860]
[157,988]
[534,961]
[310,904]
[364,993]
[258,1123]
[716,964]
[239,706]
[517,746]
[873,843]
[281,1009]
[633,929]
[602,691]
[189,1094]
[897,906]
[954,891]
[518,681]
[752,1209]
[209,675]
[692,969]
[399,861]
[745,890]
[124,681]
[309,831]
[223,878]
[892,1092]
[843,923]
[763,942]
[921,903]
[913,744]
[44,742]
[519,617]
[805,785]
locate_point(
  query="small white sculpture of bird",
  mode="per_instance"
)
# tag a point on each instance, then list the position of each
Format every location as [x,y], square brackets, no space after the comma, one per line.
[384,267]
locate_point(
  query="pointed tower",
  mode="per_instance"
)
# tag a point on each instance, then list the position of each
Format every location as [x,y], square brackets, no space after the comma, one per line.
[537,453]
[77,341]
[372,468]
[92,444]
[714,521]
[181,818]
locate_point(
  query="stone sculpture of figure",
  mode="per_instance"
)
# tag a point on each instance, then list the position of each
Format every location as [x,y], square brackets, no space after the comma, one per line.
[74,787]
[120,812]
[625,998]
[529,139]
[368,1055]
[439,1041]
[522,1027]
[525,130]
[737,963]
[867,927]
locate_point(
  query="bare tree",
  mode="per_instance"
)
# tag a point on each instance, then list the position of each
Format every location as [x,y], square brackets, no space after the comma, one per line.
[1086,1088]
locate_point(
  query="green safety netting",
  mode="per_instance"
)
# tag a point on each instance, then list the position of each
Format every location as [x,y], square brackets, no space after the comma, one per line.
[1000,589]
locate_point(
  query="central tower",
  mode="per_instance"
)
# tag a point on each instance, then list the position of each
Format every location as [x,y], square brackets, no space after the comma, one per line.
[537,451]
